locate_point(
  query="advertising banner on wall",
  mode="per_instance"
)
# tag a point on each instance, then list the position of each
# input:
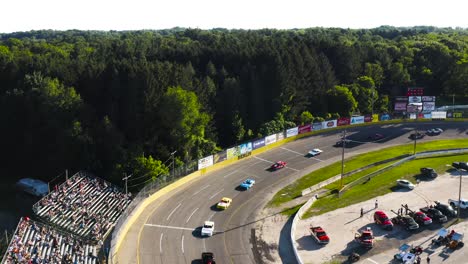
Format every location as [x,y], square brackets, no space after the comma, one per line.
[343,121]
[329,124]
[368,118]
[384,117]
[412,116]
[205,162]
[414,108]
[414,99]
[357,120]
[280,136]
[428,106]
[292,132]
[270,139]
[375,118]
[400,106]
[259,143]
[428,98]
[316,126]
[305,128]
[439,114]
[403,99]
[220,156]
[428,115]
[233,152]
[458,115]
[246,147]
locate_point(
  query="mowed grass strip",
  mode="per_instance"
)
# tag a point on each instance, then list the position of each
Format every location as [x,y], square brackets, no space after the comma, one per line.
[294,190]
[382,184]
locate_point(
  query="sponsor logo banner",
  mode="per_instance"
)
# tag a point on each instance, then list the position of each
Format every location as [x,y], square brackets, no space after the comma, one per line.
[384,117]
[316,126]
[412,116]
[428,98]
[292,132]
[399,106]
[246,147]
[428,115]
[457,115]
[428,106]
[439,115]
[205,162]
[343,121]
[329,124]
[414,99]
[357,120]
[270,139]
[280,136]
[375,118]
[305,128]
[220,156]
[259,143]
[368,118]
[233,152]
[414,108]
[401,99]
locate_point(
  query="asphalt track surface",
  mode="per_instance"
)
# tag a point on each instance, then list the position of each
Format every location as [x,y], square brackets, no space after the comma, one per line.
[172,233]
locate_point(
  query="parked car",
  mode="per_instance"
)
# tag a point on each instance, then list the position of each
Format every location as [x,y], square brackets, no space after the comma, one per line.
[319,235]
[445,209]
[380,218]
[428,172]
[460,165]
[33,186]
[463,203]
[406,221]
[435,214]
[405,184]
[421,218]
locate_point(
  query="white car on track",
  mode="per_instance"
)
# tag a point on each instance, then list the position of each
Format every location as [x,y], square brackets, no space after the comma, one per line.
[207,229]
[315,152]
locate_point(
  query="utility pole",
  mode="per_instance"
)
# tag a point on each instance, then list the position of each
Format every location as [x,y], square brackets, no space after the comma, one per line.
[459,194]
[343,143]
[125,178]
[173,162]
[453,105]
[66,175]
[415,138]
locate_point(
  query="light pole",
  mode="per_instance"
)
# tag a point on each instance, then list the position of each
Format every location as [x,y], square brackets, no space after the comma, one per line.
[459,190]
[173,161]
[415,138]
[125,178]
[453,105]
[343,143]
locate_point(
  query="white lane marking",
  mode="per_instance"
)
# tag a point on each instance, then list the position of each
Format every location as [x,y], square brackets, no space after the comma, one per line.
[211,216]
[183,244]
[173,211]
[212,196]
[316,159]
[291,168]
[263,160]
[171,227]
[373,261]
[290,150]
[188,219]
[201,190]
[160,242]
[229,174]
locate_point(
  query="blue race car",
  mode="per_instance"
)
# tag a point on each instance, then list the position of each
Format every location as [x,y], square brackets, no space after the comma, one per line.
[247,184]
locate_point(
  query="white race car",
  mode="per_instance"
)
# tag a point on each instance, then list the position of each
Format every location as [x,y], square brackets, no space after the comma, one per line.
[315,152]
[207,229]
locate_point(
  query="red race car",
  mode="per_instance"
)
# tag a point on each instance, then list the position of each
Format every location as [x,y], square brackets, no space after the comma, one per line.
[278,165]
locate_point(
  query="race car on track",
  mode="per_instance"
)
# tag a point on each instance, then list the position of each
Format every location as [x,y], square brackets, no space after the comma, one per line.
[314,152]
[376,136]
[208,258]
[247,184]
[224,203]
[208,228]
[278,165]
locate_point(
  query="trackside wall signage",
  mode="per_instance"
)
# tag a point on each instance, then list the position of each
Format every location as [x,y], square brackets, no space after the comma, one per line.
[220,156]
[428,115]
[343,121]
[205,162]
[246,147]
[384,117]
[329,124]
[439,115]
[375,118]
[280,136]
[305,128]
[232,152]
[368,118]
[292,132]
[316,126]
[357,120]
[259,143]
[270,139]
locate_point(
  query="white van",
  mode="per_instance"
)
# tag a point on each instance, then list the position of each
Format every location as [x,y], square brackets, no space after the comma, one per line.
[33,187]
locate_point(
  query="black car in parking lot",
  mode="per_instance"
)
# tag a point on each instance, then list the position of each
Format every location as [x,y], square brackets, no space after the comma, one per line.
[435,214]
[445,209]
[460,165]
[428,172]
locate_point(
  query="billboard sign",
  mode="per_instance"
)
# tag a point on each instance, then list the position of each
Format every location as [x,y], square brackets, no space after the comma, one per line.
[375,118]
[384,117]
[343,121]
[245,148]
[305,128]
[414,99]
[292,132]
[401,99]
[270,139]
[205,162]
[259,143]
[316,126]
[400,106]
[280,136]
[220,156]
[428,106]
[458,115]
[439,114]
[357,120]
[329,124]
[232,152]
[428,98]
[414,107]
[368,118]
[428,115]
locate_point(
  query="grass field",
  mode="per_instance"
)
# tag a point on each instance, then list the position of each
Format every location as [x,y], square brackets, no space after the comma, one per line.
[381,184]
[294,190]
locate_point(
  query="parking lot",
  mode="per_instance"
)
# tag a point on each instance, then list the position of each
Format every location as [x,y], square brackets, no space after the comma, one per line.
[342,224]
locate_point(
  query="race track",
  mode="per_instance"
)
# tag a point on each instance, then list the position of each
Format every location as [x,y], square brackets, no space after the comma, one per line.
[172,232]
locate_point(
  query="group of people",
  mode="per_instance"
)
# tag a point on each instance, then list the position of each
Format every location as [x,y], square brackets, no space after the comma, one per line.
[84,205]
[37,244]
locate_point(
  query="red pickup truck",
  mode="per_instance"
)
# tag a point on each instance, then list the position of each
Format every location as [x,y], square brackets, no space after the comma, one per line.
[319,235]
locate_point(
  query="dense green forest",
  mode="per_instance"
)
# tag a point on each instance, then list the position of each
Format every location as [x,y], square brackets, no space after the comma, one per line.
[115,102]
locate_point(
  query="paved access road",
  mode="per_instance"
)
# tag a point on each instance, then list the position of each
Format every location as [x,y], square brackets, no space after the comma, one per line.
[171,233]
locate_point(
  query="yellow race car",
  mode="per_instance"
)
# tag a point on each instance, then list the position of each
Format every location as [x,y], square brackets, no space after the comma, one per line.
[224,203]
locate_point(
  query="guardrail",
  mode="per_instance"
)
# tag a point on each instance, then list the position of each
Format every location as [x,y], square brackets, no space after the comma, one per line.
[296,218]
